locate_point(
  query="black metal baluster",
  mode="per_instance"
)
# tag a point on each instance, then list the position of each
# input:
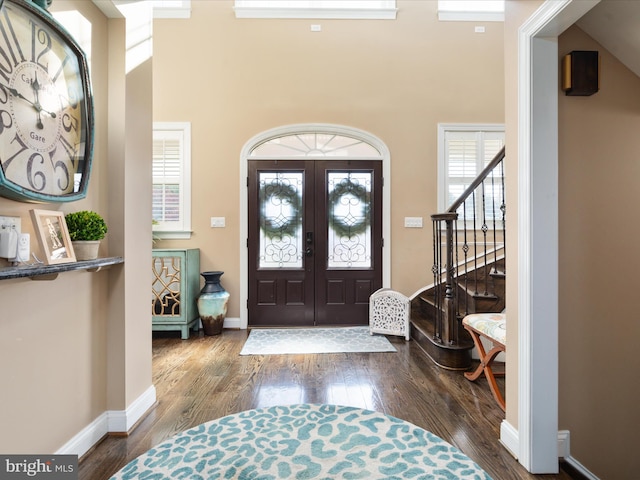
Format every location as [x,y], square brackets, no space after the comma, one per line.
[437,254]
[485,229]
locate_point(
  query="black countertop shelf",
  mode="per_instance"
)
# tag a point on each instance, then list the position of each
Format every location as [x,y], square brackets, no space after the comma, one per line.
[50,272]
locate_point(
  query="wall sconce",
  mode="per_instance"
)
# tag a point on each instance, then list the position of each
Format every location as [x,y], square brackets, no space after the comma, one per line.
[581,73]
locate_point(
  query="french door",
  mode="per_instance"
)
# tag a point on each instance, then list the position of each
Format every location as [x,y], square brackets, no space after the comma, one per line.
[315,241]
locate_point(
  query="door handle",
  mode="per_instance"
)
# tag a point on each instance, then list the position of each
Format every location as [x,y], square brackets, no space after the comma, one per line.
[308,252]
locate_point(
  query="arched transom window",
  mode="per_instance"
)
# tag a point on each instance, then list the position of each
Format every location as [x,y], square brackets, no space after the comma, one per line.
[314,144]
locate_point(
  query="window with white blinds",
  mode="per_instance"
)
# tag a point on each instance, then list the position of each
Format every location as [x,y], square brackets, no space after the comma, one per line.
[171,204]
[463,152]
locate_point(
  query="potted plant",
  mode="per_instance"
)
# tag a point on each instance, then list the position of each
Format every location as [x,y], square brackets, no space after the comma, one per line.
[86,229]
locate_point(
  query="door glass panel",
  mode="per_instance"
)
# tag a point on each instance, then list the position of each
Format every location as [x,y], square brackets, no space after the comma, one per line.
[280,212]
[349,225]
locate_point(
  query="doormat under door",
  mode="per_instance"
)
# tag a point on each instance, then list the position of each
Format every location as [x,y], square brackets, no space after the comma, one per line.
[314,340]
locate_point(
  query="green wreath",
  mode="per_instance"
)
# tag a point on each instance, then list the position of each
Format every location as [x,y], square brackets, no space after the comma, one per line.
[280,225]
[349,225]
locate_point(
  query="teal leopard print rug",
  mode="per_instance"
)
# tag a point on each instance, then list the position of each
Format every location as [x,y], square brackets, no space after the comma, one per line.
[304,442]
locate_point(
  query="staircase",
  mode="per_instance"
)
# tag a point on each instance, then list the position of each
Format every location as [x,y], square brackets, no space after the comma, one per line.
[469,269]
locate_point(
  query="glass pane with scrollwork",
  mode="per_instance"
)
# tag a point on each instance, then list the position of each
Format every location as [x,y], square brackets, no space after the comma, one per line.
[349,225]
[280,217]
[165,286]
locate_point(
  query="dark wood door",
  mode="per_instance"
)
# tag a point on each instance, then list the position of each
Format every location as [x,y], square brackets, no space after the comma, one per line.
[315,241]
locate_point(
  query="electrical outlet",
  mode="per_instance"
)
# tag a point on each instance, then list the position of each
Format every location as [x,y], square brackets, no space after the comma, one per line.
[9,235]
[7,223]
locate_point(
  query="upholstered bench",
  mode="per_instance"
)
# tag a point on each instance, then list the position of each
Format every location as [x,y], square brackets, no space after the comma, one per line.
[493,327]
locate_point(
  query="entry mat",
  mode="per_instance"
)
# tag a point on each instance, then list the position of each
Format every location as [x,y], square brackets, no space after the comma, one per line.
[279,341]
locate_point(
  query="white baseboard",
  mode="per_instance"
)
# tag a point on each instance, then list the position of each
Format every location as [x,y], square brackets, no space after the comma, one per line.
[87,438]
[121,421]
[564,451]
[510,439]
[233,322]
[580,468]
[564,444]
[116,421]
[500,358]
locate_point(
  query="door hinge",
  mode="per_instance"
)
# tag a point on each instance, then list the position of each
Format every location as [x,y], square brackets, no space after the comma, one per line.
[247,181]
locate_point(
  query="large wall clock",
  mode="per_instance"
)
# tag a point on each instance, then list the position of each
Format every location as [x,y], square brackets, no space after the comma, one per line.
[46,111]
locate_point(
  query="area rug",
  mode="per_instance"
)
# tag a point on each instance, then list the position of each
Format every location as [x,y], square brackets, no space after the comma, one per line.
[314,340]
[304,442]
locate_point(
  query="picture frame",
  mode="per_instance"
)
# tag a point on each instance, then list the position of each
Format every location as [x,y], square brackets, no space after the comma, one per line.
[53,236]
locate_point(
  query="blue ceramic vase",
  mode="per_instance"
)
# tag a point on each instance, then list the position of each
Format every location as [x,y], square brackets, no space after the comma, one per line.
[212,303]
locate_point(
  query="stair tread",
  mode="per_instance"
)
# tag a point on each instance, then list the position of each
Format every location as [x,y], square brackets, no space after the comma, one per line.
[427,328]
[470,293]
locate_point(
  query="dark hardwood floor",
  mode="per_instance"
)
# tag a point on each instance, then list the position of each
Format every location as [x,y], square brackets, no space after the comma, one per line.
[204,378]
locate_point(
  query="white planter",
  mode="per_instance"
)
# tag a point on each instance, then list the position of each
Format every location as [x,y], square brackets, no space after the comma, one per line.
[86,249]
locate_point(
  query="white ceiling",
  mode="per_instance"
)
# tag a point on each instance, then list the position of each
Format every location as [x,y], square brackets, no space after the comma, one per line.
[615,24]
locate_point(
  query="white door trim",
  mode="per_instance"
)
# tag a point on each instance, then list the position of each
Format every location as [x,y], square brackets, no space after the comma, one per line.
[262,137]
[535,443]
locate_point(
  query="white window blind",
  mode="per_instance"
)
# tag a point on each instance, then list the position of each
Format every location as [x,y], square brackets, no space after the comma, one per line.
[463,152]
[171,178]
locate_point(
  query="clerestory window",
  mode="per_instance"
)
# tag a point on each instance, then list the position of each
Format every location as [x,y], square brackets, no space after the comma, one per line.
[471,10]
[345,9]
[171,8]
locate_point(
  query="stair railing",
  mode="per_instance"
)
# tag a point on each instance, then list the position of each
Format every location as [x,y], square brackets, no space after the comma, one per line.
[459,266]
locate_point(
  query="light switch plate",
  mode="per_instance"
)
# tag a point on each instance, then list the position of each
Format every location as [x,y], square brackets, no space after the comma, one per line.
[218,222]
[413,222]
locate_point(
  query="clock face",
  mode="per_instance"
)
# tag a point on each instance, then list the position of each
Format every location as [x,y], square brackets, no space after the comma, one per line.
[45,109]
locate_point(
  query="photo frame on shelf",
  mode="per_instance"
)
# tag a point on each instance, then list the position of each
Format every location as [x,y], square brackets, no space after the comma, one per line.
[53,236]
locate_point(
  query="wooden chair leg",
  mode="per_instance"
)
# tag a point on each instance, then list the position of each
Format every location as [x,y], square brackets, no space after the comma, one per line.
[485,367]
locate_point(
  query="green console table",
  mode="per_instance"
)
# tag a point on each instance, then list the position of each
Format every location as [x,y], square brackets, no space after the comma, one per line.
[175,289]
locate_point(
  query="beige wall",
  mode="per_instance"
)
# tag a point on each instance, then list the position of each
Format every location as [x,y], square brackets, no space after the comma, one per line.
[516,13]
[73,348]
[599,175]
[61,340]
[234,78]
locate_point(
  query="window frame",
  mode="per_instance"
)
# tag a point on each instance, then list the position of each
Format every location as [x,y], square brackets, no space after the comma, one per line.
[164,231]
[443,165]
